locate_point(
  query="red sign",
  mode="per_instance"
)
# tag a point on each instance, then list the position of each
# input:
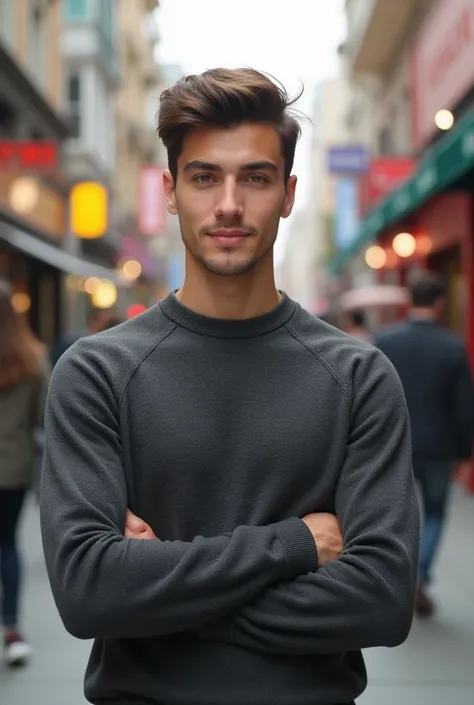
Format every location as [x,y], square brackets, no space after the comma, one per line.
[442,64]
[383,176]
[40,155]
[151,202]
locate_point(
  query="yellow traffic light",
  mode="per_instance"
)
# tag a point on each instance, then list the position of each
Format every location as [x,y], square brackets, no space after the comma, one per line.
[88,204]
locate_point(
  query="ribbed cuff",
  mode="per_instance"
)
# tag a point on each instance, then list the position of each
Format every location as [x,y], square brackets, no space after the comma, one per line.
[299,545]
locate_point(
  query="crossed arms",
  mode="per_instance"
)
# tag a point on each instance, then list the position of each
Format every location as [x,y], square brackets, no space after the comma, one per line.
[265,587]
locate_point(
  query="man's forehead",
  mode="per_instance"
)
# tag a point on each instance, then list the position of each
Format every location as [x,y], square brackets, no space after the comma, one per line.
[232,146]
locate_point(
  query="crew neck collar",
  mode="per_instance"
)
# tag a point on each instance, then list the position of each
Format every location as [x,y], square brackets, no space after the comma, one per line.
[228,328]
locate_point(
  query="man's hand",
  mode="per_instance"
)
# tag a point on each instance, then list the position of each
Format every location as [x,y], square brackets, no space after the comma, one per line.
[327,536]
[324,528]
[136,528]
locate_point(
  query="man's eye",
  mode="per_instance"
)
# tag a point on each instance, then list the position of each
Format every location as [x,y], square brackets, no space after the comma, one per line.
[203,178]
[257,179]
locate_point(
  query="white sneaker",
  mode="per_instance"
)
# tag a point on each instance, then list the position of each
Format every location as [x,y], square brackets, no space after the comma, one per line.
[17,651]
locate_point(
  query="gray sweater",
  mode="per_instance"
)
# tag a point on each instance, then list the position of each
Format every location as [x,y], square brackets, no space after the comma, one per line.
[222,435]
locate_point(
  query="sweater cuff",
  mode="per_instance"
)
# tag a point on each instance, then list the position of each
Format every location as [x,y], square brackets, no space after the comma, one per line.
[300,548]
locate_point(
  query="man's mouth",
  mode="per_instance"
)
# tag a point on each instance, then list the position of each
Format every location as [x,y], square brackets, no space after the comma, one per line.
[229,237]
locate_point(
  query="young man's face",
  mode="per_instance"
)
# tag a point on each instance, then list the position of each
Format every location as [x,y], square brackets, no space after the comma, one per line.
[230,195]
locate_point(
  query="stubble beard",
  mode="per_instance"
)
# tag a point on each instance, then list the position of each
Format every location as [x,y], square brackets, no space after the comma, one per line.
[227,269]
[224,266]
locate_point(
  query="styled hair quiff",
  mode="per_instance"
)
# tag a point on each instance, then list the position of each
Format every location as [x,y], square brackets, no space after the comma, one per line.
[225,98]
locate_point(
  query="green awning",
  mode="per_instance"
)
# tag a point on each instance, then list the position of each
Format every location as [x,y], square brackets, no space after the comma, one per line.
[440,168]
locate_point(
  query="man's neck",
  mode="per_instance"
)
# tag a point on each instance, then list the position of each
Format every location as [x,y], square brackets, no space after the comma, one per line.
[231,298]
[423,314]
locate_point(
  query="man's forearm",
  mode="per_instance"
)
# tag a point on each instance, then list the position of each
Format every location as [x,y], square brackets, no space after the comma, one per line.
[106,586]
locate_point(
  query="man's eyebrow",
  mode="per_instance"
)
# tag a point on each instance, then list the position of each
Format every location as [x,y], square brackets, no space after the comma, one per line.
[205,166]
[259,166]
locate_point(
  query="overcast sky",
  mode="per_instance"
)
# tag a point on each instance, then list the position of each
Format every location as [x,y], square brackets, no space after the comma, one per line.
[295,40]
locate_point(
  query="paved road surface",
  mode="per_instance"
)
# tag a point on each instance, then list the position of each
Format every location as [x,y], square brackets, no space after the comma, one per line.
[435,666]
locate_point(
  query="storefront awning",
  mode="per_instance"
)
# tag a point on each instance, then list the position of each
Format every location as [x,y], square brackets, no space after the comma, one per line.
[55,257]
[442,167]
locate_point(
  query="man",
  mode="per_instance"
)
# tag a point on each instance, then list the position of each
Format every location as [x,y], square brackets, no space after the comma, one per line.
[435,374]
[241,430]
[98,319]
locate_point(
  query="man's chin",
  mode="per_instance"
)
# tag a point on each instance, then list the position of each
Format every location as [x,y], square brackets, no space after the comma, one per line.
[228,268]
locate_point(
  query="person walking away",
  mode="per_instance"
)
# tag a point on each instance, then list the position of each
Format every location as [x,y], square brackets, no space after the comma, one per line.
[355,325]
[42,353]
[23,387]
[267,451]
[434,371]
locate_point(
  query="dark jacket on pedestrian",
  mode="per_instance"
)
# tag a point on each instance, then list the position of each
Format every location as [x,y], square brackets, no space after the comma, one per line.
[434,371]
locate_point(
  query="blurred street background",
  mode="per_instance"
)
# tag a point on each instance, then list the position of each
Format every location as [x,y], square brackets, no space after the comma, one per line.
[386,167]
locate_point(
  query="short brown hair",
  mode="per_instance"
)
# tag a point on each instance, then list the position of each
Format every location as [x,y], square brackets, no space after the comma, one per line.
[226,98]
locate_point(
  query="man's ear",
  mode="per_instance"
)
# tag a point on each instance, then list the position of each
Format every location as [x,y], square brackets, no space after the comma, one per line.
[289,197]
[170,196]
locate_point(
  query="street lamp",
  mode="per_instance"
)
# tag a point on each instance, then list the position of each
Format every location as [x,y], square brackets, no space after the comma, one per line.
[444,119]
[404,244]
[376,257]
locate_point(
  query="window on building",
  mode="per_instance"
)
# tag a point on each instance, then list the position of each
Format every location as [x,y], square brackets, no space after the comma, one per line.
[106,23]
[38,41]
[74,103]
[106,20]
[75,9]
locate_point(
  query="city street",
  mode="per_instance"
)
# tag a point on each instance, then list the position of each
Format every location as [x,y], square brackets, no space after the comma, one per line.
[435,666]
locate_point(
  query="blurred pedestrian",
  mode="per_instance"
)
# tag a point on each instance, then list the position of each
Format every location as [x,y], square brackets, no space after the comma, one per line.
[23,386]
[267,451]
[98,319]
[355,324]
[38,434]
[435,374]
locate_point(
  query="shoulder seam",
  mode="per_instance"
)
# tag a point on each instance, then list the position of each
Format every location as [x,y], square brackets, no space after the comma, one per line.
[147,352]
[324,363]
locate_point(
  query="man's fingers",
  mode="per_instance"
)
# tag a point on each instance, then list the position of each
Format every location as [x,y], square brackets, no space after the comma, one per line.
[147,535]
[136,528]
[134,523]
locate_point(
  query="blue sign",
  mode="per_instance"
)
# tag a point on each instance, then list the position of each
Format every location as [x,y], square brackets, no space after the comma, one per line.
[346,224]
[347,160]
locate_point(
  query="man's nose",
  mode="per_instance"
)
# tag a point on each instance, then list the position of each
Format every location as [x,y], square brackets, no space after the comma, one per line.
[229,204]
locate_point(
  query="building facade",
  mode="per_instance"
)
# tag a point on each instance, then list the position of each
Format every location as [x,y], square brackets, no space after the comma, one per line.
[138,153]
[422,217]
[309,243]
[33,192]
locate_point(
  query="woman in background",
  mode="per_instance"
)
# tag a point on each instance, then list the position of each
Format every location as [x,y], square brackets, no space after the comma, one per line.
[23,386]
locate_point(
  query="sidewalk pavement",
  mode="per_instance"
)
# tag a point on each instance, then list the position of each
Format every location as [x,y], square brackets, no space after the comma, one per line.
[435,666]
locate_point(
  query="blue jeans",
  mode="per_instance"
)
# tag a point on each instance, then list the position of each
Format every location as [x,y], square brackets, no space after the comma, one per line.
[434,479]
[11,502]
